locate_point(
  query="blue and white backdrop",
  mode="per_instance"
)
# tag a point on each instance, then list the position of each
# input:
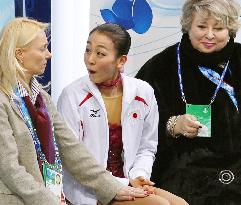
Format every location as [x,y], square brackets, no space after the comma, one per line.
[153,25]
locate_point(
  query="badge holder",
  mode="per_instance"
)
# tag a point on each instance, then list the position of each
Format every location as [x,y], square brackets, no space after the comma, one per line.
[203,115]
[53,181]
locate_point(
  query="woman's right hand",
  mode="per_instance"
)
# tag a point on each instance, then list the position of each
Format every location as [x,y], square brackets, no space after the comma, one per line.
[187,125]
[130,193]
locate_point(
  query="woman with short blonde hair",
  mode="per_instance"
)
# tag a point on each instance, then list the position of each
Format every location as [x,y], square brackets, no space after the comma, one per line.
[225,11]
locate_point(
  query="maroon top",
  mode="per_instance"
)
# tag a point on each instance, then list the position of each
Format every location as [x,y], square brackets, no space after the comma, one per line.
[115,162]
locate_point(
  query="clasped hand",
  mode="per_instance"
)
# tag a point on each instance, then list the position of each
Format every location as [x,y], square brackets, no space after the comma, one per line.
[141,182]
[140,188]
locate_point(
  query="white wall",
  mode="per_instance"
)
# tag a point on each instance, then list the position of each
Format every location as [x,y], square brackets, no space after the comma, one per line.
[69,30]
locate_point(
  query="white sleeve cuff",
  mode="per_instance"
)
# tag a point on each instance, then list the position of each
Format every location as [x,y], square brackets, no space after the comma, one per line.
[138,173]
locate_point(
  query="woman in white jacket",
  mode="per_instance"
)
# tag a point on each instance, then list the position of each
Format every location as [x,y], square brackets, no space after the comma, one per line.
[115,116]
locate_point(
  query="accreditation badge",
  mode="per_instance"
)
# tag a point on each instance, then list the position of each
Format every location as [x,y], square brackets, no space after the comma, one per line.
[203,115]
[53,181]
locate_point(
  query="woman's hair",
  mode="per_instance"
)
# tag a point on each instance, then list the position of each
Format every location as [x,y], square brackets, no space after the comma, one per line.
[18,33]
[226,12]
[120,37]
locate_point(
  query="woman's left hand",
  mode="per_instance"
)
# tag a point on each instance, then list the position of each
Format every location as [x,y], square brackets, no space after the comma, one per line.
[140,181]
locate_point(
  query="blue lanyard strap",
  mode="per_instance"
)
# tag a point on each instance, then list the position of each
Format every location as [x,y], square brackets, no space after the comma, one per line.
[215,78]
[211,76]
[24,111]
[180,74]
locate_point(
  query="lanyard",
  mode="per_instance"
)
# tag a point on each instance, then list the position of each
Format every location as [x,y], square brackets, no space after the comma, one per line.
[215,77]
[180,78]
[24,111]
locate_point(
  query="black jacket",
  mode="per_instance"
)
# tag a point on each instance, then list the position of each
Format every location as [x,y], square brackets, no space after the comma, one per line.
[191,168]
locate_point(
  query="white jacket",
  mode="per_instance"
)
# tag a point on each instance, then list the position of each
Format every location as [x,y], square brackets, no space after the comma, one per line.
[82,106]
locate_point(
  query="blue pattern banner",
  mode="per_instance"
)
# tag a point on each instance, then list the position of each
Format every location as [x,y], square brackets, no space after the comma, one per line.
[135,15]
[152,24]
